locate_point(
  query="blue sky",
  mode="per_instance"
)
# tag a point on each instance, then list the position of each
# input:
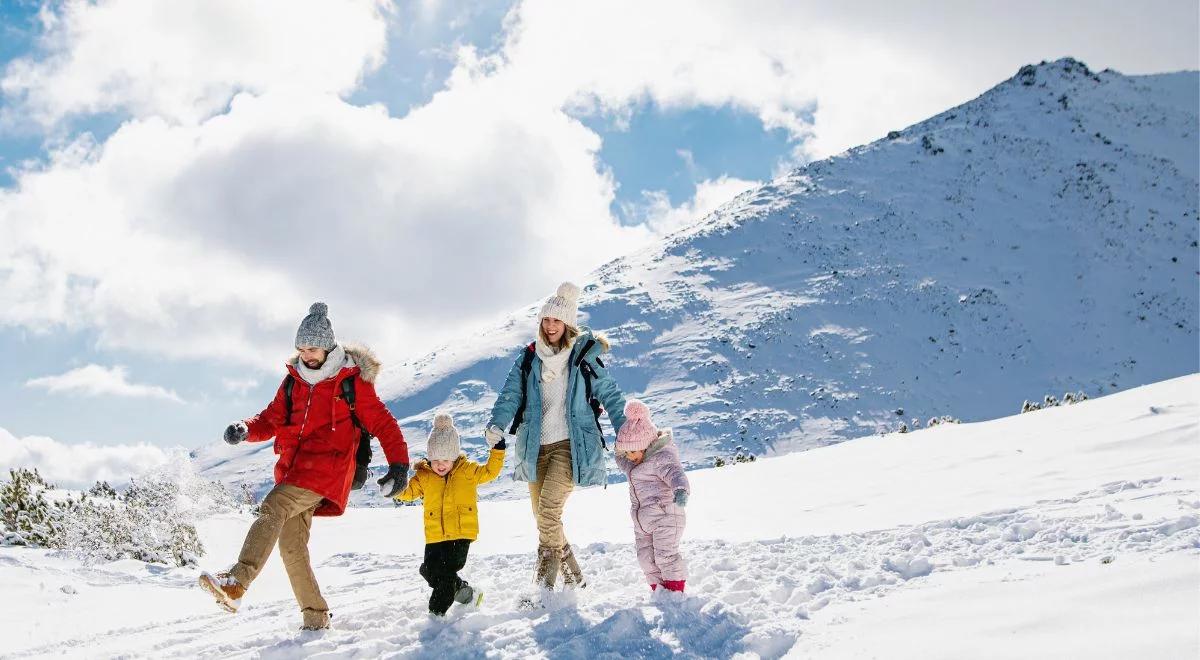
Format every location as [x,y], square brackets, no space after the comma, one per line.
[156,231]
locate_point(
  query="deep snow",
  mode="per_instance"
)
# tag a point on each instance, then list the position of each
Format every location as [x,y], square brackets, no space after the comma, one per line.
[1061,533]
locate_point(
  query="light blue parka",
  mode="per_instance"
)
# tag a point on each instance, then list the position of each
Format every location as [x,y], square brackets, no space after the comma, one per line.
[587,452]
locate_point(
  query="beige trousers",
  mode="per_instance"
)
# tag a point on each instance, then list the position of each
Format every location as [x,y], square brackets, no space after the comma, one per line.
[549,493]
[284,518]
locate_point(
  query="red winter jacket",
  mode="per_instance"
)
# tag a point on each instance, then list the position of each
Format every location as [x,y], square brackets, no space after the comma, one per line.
[316,451]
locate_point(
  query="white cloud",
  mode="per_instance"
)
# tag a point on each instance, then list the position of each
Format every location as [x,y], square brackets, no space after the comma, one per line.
[77,465]
[184,59]
[239,386]
[205,226]
[95,380]
[656,211]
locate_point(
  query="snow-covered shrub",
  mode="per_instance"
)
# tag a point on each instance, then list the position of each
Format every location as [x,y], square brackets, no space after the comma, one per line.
[151,520]
[147,522]
[903,428]
[27,517]
[740,456]
[944,419]
[1074,397]
[1049,401]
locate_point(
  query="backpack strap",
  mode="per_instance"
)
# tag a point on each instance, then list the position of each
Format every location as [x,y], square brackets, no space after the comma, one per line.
[526,367]
[288,383]
[585,369]
[363,455]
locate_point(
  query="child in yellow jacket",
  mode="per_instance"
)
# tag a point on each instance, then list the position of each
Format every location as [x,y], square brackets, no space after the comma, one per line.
[448,482]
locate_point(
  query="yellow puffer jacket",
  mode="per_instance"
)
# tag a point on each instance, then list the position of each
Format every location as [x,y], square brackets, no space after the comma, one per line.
[451,502]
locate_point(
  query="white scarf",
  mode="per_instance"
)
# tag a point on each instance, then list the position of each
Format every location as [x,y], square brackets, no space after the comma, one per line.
[333,364]
[554,361]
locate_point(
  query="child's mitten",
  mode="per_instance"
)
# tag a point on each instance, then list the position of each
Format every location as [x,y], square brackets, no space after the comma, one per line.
[493,435]
[681,497]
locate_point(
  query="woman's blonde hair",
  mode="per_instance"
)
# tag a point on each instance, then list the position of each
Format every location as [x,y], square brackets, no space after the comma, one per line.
[568,337]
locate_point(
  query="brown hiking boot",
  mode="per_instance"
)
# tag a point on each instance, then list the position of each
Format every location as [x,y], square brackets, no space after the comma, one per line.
[572,575]
[549,563]
[315,619]
[225,589]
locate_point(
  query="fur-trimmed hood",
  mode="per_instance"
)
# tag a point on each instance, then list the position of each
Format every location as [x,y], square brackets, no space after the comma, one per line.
[602,345]
[357,355]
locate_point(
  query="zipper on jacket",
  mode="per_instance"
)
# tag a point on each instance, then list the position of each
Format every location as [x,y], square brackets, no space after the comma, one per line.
[445,487]
[637,516]
[307,405]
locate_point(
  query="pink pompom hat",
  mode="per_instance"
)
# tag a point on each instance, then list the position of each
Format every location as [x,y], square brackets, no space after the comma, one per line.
[638,431]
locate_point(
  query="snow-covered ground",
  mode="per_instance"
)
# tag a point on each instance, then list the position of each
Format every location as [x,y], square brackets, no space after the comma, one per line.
[1068,532]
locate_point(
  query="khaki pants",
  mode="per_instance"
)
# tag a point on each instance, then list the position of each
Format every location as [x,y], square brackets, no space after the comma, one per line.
[549,493]
[284,518]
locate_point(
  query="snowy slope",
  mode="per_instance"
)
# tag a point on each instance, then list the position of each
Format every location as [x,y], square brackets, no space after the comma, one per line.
[1038,239]
[1068,532]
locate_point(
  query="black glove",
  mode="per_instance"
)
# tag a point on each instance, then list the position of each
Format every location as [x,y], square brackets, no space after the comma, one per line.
[361,473]
[502,445]
[397,474]
[236,432]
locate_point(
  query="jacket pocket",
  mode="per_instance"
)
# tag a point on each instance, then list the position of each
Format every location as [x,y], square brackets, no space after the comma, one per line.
[433,526]
[468,521]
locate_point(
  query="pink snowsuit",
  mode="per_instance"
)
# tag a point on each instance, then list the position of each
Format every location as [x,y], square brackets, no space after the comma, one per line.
[657,521]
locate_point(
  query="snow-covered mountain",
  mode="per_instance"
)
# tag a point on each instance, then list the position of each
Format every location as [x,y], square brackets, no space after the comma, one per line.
[1038,239]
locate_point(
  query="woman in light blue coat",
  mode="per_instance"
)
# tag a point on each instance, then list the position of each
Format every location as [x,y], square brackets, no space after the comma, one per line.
[552,397]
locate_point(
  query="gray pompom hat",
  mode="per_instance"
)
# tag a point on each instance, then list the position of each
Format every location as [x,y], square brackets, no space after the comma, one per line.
[315,330]
[443,444]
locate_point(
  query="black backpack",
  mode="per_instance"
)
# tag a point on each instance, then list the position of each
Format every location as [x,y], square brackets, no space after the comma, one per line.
[363,456]
[588,375]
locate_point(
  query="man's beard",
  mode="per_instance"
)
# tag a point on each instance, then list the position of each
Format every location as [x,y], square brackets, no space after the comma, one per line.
[314,364]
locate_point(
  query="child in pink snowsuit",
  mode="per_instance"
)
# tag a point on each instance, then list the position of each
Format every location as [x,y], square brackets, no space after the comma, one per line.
[658,491]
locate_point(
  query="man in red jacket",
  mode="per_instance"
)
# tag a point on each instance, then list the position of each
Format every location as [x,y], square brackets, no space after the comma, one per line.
[316,440]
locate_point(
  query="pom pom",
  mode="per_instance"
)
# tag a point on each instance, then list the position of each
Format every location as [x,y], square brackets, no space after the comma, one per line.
[568,291]
[319,308]
[635,409]
[443,421]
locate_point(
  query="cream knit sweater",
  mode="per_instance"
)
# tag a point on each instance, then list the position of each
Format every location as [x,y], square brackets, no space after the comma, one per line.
[554,391]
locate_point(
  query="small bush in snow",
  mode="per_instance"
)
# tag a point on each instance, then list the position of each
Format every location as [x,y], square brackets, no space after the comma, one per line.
[944,419]
[741,456]
[1049,401]
[26,516]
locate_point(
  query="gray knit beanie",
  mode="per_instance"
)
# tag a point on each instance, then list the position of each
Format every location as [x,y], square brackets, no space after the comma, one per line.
[315,330]
[443,442]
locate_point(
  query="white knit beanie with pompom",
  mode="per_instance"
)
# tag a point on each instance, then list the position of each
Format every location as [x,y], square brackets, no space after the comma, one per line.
[563,305]
[443,442]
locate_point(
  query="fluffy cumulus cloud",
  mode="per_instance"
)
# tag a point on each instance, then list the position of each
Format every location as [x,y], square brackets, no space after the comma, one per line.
[78,465]
[242,184]
[184,59]
[96,380]
[656,211]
